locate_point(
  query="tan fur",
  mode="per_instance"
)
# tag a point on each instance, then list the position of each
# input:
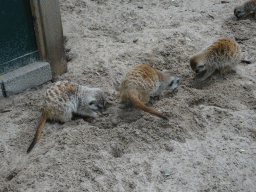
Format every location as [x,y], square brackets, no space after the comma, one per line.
[248,8]
[222,55]
[143,81]
[65,98]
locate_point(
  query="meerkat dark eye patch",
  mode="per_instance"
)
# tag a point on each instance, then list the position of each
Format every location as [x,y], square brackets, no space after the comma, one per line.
[199,69]
[171,83]
[92,102]
[200,74]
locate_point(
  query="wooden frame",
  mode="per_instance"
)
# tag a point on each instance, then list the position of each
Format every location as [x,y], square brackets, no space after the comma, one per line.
[49,34]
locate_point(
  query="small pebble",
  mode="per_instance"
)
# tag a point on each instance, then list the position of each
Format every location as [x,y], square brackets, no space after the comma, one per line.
[114,121]
[224,2]
[135,40]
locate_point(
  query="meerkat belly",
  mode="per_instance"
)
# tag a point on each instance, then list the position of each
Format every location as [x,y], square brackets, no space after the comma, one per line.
[225,61]
[150,88]
[61,109]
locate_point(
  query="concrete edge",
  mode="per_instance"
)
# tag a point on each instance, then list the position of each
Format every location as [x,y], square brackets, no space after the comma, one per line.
[25,77]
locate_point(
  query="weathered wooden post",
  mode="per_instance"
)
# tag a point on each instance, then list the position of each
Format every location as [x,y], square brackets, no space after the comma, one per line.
[49,35]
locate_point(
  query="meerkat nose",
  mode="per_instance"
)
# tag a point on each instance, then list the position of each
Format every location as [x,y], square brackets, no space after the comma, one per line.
[238,13]
[101,108]
[197,71]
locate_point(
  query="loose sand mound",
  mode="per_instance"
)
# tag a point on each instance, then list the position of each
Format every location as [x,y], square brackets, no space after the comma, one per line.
[207,145]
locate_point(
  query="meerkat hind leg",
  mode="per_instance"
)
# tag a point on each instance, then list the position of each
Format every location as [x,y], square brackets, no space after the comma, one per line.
[156,97]
[208,73]
[224,69]
[63,118]
[126,104]
[145,98]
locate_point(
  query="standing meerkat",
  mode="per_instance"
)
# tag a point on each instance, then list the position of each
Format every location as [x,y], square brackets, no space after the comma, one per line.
[143,81]
[221,55]
[65,98]
[249,7]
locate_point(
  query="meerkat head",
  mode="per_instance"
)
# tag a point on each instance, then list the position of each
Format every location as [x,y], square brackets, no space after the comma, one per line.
[96,100]
[239,12]
[196,65]
[173,80]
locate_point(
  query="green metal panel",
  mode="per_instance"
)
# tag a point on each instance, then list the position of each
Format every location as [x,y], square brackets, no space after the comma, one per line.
[17,38]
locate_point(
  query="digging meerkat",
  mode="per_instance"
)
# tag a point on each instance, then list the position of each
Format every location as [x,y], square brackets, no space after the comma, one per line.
[142,81]
[65,98]
[222,55]
[249,7]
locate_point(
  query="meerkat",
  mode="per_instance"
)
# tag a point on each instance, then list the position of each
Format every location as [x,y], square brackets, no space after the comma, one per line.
[249,7]
[65,98]
[222,55]
[142,81]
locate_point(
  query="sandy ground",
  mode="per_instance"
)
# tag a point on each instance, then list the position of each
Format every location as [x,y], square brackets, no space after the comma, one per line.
[209,143]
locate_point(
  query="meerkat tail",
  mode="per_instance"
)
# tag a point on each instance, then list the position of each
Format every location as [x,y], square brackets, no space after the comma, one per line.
[135,100]
[38,133]
[246,62]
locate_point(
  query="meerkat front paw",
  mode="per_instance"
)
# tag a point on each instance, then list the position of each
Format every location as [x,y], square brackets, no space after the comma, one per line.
[94,115]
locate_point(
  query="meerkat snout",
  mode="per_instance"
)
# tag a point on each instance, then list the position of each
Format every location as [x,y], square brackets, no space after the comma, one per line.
[238,13]
[200,69]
